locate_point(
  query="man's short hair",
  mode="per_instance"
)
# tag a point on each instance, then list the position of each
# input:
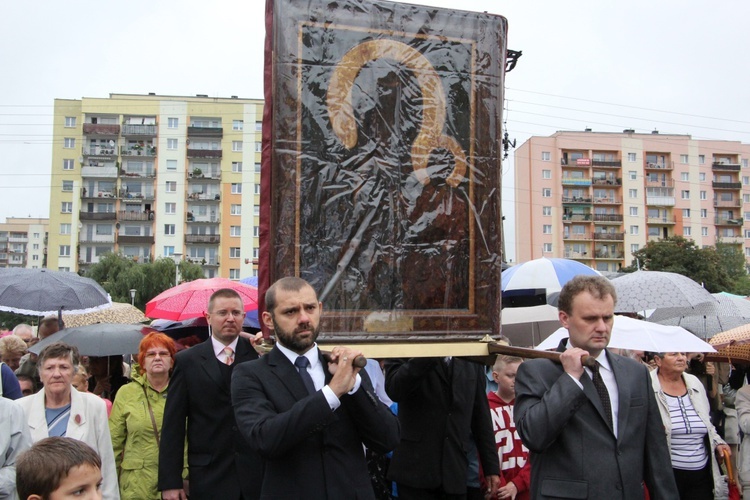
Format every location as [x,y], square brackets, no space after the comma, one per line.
[59,350]
[598,286]
[224,293]
[41,469]
[503,360]
[288,284]
[23,327]
[50,323]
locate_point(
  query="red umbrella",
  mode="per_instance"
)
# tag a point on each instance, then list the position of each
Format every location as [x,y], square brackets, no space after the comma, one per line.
[190,299]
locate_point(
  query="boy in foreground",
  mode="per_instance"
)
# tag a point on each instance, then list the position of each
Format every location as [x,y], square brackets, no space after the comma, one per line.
[59,468]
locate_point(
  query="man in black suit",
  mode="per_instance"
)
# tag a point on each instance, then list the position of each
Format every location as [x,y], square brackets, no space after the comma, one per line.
[220,463]
[442,407]
[309,418]
[592,432]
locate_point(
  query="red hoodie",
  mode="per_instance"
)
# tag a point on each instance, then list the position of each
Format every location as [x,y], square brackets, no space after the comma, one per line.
[513,455]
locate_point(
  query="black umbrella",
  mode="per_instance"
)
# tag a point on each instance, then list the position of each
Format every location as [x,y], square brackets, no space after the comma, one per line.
[39,292]
[101,339]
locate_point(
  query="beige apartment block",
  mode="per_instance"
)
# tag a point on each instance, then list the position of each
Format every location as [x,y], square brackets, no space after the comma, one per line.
[23,242]
[598,197]
[151,176]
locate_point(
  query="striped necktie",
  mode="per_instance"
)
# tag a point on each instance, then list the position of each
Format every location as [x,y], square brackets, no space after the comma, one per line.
[229,353]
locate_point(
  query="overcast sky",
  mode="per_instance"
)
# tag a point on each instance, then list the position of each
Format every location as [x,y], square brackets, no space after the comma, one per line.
[676,66]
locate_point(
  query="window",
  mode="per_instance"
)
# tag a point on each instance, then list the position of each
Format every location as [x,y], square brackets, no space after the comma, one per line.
[68,164]
[704,231]
[703,195]
[64,250]
[256,188]
[547,229]
[236,166]
[746,198]
[685,194]
[234,252]
[634,211]
[633,175]
[65,228]
[104,229]
[69,143]
[168,251]
[173,122]
[63,269]
[171,164]
[235,231]
[634,247]
[747,233]
[547,248]
[683,158]
[172,144]
[256,251]
[702,177]
[235,209]
[686,213]
[66,207]
[745,180]
[256,231]
[632,193]
[633,230]
[34,257]
[546,211]
[258,147]
[747,252]
[237,146]
[546,174]
[238,124]
[35,246]
[70,121]
[546,155]
[169,229]
[234,274]
[171,187]
[685,176]
[631,156]
[744,163]
[704,213]
[546,193]
[170,208]
[236,188]
[256,210]
[701,159]
[686,231]
[67,186]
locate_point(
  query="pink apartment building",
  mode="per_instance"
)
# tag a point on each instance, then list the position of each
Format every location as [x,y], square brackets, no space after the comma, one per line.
[598,197]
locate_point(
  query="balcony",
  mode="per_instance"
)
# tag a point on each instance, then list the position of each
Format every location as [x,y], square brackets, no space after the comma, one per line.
[213,262]
[205,131]
[148,173]
[204,153]
[577,255]
[576,199]
[576,181]
[18,239]
[148,151]
[660,220]
[728,221]
[198,174]
[727,203]
[138,130]
[101,172]
[576,217]
[726,185]
[97,215]
[202,238]
[731,240]
[99,151]
[97,194]
[577,236]
[130,215]
[101,129]
[608,218]
[608,255]
[607,200]
[134,240]
[204,219]
[665,183]
[204,196]
[578,162]
[660,201]
[668,165]
[607,181]
[96,238]
[726,166]
[607,164]
[141,195]
[609,236]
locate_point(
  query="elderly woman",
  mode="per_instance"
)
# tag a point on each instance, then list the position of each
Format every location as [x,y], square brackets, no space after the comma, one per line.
[12,349]
[691,437]
[60,410]
[135,421]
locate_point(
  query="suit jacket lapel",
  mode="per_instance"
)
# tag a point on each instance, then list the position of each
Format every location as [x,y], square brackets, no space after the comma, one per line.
[209,363]
[590,391]
[282,368]
[245,351]
[623,392]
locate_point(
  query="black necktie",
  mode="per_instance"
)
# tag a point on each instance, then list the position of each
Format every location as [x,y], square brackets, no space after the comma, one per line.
[302,363]
[601,389]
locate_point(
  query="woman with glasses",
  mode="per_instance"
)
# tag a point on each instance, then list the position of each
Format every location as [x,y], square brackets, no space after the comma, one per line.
[136,418]
[692,439]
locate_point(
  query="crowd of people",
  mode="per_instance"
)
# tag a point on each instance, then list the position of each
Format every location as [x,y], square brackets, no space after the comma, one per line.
[219,420]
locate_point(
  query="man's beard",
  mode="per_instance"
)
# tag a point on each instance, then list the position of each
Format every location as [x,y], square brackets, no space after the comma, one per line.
[289,339]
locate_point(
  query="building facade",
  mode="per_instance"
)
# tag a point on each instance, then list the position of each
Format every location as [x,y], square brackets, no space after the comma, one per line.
[23,242]
[152,176]
[599,197]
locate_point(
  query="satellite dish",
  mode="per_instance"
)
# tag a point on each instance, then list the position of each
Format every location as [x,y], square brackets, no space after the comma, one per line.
[111,143]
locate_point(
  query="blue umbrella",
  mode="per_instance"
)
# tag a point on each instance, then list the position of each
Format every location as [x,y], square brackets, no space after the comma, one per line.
[251,319]
[544,273]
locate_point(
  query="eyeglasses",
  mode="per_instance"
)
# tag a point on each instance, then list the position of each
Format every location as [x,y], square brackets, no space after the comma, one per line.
[224,314]
[161,354]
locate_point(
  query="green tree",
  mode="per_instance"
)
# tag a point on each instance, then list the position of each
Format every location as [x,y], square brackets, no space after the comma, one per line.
[682,256]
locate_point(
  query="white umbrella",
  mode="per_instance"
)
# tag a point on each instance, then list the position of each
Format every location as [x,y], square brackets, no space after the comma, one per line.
[526,326]
[643,290]
[707,319]
[639,335]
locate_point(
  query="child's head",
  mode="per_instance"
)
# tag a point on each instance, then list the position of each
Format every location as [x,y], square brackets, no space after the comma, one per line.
[504,374]
[57,468]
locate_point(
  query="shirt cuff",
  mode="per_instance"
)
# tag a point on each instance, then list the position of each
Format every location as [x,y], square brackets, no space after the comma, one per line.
[333,401]
[578,382]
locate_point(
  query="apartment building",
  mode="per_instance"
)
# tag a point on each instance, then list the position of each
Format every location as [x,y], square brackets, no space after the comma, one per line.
[152,176]
[598,197]
[23,242]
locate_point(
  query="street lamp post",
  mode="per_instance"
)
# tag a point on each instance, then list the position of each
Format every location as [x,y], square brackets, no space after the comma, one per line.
[132,296]
[177,257]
